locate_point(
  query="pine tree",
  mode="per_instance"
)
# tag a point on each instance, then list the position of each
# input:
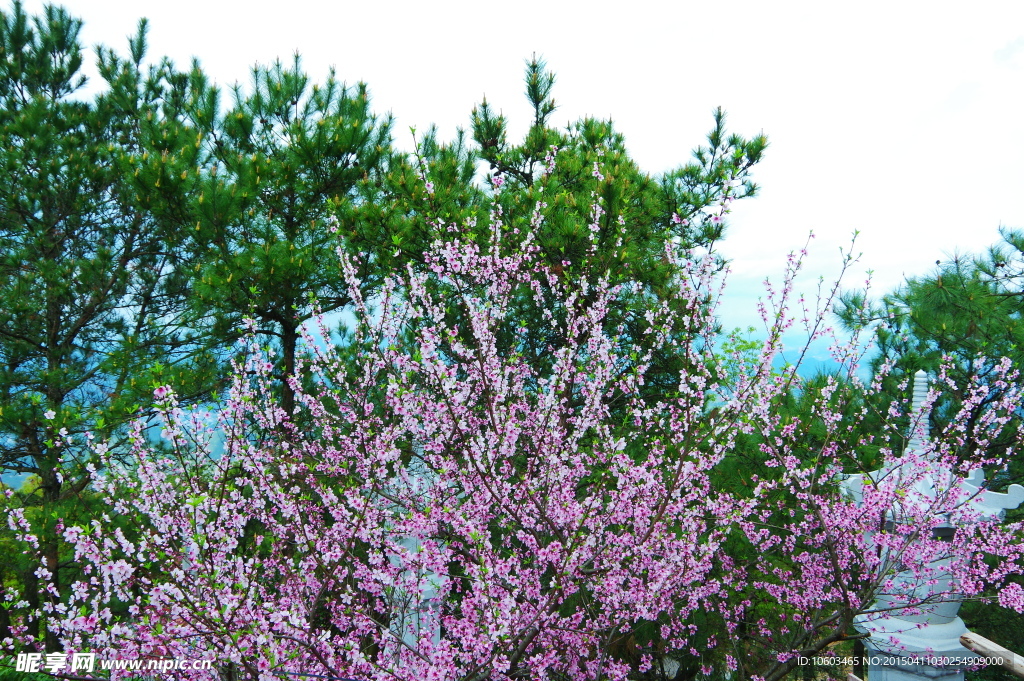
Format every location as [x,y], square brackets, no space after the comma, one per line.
[263,191]
[90,297]
[584,177]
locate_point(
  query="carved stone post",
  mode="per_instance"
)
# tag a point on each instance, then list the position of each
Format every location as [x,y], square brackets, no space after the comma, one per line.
[930,632]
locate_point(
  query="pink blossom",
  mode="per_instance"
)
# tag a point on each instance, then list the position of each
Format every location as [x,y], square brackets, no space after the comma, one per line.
[1012,596]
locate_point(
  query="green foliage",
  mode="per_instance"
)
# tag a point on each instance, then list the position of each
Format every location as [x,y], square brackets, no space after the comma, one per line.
[8,674]
[593,165]
[422,196]
[258,193]
[966,315]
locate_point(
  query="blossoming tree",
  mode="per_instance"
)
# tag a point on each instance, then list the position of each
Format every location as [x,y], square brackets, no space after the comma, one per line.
[442,509]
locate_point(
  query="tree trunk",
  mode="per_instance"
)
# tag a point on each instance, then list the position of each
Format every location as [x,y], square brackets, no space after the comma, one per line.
[858,658]
[289,341]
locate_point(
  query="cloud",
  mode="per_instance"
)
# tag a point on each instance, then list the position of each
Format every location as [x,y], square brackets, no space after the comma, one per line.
[961,97]
[1011,54]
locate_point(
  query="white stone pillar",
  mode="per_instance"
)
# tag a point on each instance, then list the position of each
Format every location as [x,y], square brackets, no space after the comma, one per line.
[933,633]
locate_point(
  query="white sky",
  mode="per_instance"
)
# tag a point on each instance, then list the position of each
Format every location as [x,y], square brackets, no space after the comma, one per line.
[903,120]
